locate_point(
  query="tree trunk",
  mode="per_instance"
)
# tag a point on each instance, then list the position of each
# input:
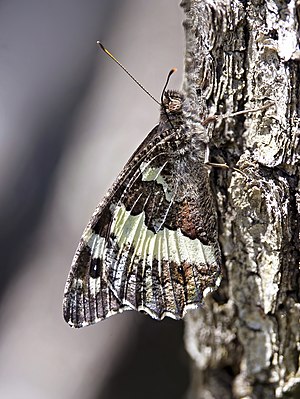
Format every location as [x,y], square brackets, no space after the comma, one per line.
[245,340]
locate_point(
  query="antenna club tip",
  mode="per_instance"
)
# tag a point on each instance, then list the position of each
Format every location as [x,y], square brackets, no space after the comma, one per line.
[100,44]
[172,71]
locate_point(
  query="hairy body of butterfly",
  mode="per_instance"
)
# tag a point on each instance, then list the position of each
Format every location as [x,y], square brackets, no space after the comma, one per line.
[151,245]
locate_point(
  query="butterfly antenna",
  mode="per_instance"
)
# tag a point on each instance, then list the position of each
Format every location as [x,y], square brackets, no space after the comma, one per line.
[164,93]
[125,70]
[166,84]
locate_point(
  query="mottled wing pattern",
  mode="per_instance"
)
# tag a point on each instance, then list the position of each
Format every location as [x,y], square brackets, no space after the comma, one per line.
[151,244]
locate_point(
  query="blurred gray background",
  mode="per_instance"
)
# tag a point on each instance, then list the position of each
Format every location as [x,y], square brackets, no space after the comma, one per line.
[70,119]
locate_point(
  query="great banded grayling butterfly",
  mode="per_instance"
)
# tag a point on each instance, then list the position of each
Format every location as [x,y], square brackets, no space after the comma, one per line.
[151,244]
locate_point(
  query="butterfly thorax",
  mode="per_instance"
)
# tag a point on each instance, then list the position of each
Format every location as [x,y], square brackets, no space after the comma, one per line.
[186,134]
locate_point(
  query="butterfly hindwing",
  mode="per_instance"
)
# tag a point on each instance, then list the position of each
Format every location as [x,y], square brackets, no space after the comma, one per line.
[151,244]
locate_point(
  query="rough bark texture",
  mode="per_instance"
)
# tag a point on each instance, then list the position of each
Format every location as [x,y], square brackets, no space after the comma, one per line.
[245,341]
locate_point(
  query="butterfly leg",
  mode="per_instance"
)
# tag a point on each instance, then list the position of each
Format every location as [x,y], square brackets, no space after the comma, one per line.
[219,165]
[215,118]
[216,165]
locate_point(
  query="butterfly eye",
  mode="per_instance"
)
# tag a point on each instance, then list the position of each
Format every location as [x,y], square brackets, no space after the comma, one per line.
[175,105]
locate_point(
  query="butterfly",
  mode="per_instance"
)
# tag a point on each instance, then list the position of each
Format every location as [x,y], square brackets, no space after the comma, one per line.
[152,243]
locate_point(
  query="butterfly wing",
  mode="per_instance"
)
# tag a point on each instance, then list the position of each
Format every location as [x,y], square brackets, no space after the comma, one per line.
[151,244]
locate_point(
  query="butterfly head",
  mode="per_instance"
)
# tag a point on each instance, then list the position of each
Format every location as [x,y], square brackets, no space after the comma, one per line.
[172,102]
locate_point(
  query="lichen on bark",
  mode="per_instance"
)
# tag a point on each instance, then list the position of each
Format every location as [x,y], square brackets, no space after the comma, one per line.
[245,340]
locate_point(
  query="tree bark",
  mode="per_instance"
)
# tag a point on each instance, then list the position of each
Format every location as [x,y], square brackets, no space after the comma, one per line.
[245,340]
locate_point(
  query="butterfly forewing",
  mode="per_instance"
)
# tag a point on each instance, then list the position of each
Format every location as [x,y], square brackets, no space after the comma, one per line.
[151,244]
